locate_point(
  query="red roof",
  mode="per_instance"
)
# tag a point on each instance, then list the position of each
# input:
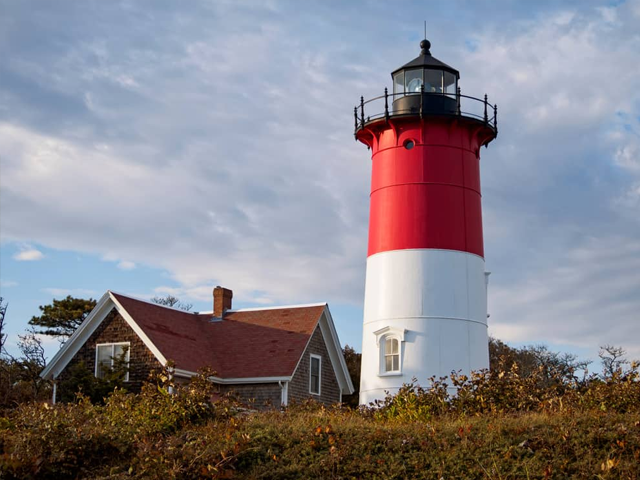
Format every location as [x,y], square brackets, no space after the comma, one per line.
[245,344]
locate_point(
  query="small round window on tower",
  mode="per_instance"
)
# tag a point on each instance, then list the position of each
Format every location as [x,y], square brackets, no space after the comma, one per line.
[409,144]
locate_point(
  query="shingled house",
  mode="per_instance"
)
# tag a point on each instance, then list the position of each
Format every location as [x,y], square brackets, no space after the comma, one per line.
[267,356]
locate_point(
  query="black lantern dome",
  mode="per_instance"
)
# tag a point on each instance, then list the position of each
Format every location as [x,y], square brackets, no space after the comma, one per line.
[436,81]
[424,87]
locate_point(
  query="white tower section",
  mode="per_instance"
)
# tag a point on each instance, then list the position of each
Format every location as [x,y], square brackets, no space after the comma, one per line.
[433,303]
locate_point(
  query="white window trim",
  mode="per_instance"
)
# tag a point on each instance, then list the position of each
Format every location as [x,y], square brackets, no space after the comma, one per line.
[112,345]
[381,335]
[319,392]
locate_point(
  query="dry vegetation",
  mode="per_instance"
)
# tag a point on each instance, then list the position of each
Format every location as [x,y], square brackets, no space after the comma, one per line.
[499,426]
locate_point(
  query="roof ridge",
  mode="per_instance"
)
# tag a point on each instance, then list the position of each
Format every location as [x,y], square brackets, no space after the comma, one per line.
[137,299]
[278,307]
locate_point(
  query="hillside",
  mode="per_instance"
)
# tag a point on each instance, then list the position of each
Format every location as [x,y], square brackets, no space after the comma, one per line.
[498,427]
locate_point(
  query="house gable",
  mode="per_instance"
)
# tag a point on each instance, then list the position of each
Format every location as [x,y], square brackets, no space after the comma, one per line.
[82,334]
[298,389]
[115,329]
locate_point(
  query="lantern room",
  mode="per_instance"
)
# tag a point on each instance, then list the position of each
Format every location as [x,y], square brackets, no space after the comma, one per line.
[426,78]
[424,87]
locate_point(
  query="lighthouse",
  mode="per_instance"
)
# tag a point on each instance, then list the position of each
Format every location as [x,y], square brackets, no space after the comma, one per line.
[425,307]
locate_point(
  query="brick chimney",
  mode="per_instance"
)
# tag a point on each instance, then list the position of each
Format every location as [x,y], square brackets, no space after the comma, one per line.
[221,301]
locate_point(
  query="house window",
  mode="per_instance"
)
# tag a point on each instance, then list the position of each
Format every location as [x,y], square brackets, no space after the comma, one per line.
[314,374]
[389,341]
[107,354]
[391,355]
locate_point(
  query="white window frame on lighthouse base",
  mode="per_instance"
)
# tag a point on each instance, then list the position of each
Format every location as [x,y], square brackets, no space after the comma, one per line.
[382,335]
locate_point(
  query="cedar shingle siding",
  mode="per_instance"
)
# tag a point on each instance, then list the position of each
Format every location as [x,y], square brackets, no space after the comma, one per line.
[256,395]
[299,385]
[115,329]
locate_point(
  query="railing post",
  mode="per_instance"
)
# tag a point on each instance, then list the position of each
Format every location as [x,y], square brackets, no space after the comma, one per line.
[386,104]
[495,117]
[355,119]
[458,93]
[362,111]
[421,98]
[486,117]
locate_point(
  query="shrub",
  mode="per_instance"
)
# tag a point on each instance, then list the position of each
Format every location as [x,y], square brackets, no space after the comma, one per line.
[488,425]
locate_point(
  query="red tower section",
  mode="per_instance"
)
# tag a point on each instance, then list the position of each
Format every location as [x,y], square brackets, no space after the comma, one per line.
[425,185]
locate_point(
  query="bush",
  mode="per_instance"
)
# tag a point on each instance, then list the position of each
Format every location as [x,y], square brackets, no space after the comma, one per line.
[496,425]
[71,440]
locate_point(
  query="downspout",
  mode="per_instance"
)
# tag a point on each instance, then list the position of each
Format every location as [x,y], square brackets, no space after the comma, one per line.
[284,393]
[53,396]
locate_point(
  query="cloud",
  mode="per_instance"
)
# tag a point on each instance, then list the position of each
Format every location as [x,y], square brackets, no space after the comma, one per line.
[220,148]
[28,254]
[588,299]
[126,265]
[8,283]
[74,292]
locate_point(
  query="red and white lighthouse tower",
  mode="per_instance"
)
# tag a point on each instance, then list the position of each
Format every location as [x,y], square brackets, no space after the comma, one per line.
[425,309]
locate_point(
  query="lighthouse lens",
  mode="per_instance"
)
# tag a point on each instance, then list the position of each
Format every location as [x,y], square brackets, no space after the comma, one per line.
[413,80]
[414,85]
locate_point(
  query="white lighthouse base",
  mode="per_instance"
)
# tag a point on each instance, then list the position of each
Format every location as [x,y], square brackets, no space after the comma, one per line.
[434,302]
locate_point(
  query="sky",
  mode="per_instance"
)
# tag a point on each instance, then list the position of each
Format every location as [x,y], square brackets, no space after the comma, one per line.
[164,147]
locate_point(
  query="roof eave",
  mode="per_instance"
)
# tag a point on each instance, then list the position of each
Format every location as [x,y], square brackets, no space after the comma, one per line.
[429,62]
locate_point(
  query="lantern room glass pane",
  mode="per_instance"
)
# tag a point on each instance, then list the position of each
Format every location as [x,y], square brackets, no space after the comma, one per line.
[398,83]
[449,82]
[433,81]
[413,81]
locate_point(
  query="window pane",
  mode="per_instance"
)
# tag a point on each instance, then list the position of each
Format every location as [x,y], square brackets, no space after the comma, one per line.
[388,363]
[433,81]
[118,350]
[396,363]
[315,375]
[413,80]
[398,82]
[449,82]
[394,346]
[104,359]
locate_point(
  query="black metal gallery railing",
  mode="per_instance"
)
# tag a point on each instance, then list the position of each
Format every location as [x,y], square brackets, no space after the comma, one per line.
[424,103]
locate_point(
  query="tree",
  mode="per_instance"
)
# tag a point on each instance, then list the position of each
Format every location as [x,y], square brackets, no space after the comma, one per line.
[20,379]
[3,336]
[532,358]
[502,356]
[171,301]
[613,360]
[62,317]
[353,360]
[31,363]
